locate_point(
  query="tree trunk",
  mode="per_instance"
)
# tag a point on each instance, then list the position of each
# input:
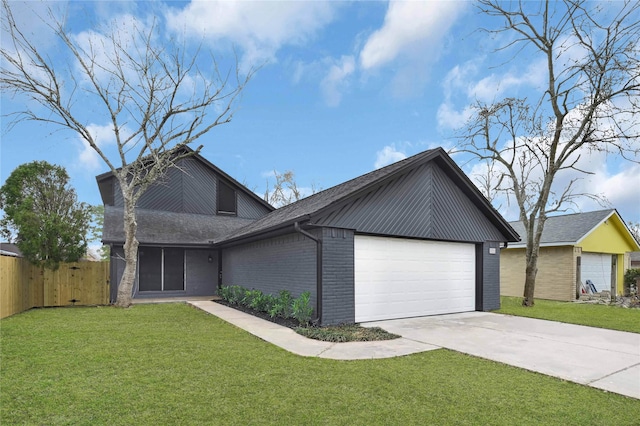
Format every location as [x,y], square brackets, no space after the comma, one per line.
[125,288]
[530,280]
[534,234]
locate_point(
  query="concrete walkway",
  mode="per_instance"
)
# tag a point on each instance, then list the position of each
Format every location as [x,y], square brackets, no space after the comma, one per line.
[288,339]
[604,359]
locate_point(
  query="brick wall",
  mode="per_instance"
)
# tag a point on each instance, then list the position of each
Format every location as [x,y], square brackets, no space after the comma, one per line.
[491,276]
[273,264]
[337,276]
[556,279]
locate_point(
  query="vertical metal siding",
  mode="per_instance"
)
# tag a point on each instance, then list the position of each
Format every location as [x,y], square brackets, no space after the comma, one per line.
[456,216]
[423,203]
[165,194]
[191,188]
[248,208]
[199,188]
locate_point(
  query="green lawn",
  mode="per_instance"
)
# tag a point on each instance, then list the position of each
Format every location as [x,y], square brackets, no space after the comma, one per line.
[172,364]
[603,316]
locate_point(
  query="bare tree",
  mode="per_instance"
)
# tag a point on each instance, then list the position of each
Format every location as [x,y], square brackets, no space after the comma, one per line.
[589,103]
[285,189]
[634,228]
[156,94]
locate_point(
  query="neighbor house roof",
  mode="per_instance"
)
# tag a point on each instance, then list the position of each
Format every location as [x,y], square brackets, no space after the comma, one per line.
[304,209]
[567,229]
[169,228]
[10,249]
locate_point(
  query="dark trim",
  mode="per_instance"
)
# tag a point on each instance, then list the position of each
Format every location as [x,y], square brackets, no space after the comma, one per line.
[318,241]
[219,269]
[281,229]
[219,197]
[479,277]
[161,244]
[406,237]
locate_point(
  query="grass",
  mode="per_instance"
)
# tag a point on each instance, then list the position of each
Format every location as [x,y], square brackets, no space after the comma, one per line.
[602,316]
[346,333]
[172,364]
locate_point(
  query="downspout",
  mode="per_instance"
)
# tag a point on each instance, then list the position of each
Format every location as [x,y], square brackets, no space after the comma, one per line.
[318,241]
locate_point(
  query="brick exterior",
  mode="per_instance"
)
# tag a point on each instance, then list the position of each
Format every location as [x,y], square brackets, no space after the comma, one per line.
[556,279]
[490,276]
[338,302]
[273,264]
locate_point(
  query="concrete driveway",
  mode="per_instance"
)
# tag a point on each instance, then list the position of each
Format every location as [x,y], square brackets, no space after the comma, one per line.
[600,358]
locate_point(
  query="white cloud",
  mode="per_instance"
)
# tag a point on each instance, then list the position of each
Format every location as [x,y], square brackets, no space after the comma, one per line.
[449,118]
[336,80]
[389,154]
[259,28]
[103,137]
[408,25]
[412,39]
[495,86]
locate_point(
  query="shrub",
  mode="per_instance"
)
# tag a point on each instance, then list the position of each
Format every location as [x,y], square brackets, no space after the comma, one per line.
[301,308]
[255,300]
[236,295]
[268,302]
[630,279]
[224,292]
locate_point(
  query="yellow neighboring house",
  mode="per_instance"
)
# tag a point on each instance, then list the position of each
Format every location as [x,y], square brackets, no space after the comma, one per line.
[574,248]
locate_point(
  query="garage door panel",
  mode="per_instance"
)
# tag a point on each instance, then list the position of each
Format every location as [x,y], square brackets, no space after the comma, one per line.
[597,268]
[400,278]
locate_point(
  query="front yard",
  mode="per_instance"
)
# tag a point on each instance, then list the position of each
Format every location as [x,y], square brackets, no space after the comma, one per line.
[602,316]
[172,364]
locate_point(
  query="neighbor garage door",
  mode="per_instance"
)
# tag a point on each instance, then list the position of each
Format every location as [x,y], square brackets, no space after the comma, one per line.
[597,268]
[401,278]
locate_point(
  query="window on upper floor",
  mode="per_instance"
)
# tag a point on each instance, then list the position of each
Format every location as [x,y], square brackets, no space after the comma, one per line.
[227,203]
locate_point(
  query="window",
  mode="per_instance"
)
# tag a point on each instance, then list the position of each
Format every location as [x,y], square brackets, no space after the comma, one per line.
[160,269]
[226,199]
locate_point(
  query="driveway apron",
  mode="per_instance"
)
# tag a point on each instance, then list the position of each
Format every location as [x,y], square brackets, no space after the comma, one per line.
[604,359]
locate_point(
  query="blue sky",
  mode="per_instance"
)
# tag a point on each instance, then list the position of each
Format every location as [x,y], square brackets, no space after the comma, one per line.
[346,87]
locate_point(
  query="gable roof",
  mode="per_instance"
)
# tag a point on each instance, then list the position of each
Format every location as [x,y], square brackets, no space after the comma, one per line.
[567,229]
[303,210]
[104,181]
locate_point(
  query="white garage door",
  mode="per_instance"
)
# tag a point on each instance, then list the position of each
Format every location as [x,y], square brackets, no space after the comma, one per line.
[401,278]
[597,268]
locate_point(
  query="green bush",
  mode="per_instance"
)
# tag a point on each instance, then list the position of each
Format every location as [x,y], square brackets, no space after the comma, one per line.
[630,279]
[285,301]
[236,295]
[268,302]
[301,308]
[255,300]
[282,305]
[224,292]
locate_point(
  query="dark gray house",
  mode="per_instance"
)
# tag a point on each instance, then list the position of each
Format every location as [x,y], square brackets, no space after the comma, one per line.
[179,219]
[411,239]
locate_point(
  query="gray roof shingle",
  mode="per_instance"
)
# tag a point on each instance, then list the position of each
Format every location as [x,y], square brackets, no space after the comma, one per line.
[162,227]
[568,228]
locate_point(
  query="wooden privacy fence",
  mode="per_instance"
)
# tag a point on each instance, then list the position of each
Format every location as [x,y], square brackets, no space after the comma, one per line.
[24,286]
